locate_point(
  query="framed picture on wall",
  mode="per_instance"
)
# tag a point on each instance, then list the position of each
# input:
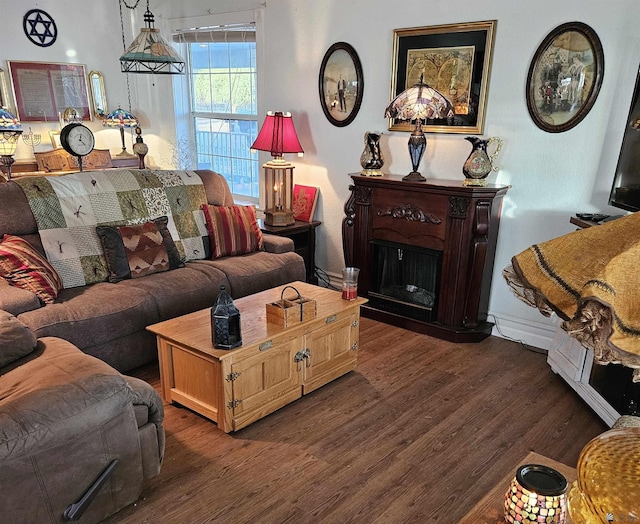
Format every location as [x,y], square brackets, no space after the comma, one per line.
[564,77]
[341,84]
[43,91]
[454,59]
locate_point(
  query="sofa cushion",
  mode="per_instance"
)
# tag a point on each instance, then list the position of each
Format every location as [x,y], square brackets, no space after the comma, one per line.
[138,250]
[257,271]
[233,230]
[15,300]
[22,266]
[92,315]
[181,291]
[16,339]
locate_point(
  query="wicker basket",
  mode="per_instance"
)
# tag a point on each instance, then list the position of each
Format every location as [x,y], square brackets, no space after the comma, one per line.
[608,484]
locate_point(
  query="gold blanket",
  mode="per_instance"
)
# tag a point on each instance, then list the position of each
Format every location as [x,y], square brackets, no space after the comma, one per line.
[591,279]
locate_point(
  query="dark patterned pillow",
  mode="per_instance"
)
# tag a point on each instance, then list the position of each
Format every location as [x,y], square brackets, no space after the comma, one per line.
[138,250]
[233,230]
[22,266]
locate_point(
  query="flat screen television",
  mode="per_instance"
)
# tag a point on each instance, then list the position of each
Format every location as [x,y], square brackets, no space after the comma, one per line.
[625,191]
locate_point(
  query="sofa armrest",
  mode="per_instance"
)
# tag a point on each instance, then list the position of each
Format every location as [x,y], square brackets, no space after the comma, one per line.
[149,409]
[55,396]
[148,399]
[15,300]
[277,244]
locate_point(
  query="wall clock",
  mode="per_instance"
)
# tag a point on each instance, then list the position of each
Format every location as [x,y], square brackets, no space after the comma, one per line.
[77,140]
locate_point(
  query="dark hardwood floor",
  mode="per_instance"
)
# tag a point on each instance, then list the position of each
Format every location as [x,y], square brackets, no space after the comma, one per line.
[418,433]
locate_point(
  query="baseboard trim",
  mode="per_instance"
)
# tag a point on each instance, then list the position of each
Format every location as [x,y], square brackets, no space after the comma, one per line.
[537,334]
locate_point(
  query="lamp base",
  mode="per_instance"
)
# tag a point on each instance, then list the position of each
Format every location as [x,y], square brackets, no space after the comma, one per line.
[7,161]
[279,217]
[125,154]
[414,176]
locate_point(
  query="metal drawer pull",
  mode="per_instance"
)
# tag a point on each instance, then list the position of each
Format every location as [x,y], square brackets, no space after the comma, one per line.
[266,345]
[330,319]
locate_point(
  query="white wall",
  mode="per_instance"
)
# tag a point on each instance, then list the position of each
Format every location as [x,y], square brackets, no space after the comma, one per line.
[552,175]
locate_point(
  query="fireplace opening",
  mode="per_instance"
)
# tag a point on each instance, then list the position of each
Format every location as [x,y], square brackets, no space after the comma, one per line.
[405,279]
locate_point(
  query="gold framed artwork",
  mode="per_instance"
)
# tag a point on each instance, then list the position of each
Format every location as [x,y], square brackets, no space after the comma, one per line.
[43,90]
[455,59]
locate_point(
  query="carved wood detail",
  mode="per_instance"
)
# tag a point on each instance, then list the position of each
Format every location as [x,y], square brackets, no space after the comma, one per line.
[410,212]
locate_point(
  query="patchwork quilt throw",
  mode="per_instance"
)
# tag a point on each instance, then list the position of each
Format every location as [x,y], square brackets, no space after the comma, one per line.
[591,279]
[68,208]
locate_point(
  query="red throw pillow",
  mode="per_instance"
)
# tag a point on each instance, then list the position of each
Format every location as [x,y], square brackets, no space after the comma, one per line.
[233,230]
[22,266]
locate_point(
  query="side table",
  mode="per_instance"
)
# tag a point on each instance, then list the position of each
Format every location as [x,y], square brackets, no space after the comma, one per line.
[490,509]
[303,235]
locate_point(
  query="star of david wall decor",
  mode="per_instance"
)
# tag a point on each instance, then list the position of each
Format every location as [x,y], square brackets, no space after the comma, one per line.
[40,28]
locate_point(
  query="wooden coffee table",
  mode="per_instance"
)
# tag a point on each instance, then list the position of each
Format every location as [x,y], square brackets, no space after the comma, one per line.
[490,509]
[273,367]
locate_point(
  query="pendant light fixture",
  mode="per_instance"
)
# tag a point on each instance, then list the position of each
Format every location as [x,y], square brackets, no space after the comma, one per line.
[150,52]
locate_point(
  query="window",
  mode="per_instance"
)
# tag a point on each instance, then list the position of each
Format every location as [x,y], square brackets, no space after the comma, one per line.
[222,89]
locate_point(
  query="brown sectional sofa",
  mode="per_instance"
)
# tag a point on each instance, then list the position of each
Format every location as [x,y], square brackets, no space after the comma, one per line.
[108,320]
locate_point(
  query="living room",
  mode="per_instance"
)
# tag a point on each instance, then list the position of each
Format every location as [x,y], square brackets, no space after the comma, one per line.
[552,175]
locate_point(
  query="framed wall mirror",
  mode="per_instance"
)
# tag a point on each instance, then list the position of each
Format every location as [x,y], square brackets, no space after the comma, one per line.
[98,94]
[5,100]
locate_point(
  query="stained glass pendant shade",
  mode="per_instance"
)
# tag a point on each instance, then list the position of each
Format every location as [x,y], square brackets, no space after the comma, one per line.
[150,52]
[419,102]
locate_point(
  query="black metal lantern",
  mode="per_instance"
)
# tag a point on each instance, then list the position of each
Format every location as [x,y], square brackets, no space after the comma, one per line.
[225,322]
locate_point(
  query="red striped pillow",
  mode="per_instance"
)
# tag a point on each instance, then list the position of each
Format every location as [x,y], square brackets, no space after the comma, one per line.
[22,266]
[233,230]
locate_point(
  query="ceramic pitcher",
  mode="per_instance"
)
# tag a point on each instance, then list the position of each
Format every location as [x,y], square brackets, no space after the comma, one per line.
[480,163]
[371,159]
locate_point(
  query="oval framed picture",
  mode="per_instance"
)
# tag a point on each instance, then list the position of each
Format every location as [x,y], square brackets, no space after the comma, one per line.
[564,77]
[341,84]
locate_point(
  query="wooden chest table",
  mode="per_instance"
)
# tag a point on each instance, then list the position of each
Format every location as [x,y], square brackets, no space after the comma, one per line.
[273,367]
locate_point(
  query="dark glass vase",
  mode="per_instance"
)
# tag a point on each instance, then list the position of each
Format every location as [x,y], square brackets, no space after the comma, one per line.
[225,322]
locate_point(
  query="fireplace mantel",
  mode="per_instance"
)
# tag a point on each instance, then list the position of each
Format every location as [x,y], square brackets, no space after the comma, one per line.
[443,215]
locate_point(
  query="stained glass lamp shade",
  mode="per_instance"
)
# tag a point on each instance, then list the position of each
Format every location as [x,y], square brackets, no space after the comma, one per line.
[278,136]
[10,131]
[121,118]
[419,102]
[150,52]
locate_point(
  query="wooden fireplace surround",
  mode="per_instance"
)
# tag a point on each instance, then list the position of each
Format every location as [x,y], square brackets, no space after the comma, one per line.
[461,221]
